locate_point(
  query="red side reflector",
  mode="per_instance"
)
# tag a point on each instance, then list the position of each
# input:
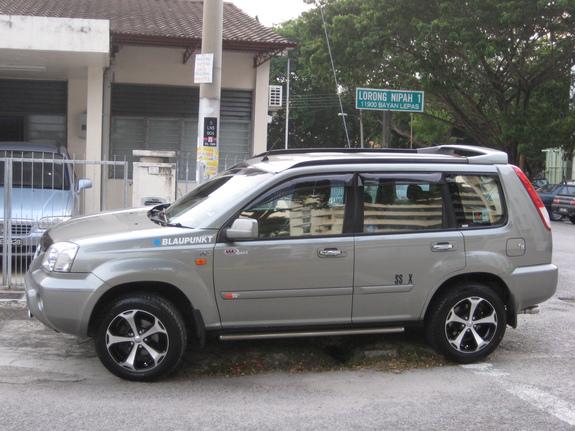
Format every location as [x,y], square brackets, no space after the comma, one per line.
[200,261]
[534,198]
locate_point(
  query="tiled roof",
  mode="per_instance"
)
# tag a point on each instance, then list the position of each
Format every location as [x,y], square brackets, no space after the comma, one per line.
[154,20]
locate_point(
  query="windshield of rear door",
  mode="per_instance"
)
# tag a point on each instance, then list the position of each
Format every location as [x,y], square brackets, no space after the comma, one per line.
[214,197]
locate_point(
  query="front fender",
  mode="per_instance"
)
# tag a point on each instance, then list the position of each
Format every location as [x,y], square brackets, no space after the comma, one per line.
[196,282]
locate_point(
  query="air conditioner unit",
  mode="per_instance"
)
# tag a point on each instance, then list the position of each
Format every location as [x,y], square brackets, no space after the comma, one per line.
[275,97]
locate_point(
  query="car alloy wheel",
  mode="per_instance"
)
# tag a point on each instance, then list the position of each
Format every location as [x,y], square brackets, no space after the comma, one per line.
[141,337]
[471,324]
[137,340]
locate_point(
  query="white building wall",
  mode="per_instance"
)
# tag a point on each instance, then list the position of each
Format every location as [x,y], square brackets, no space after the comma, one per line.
[260,116]
[164,66]
[41,33]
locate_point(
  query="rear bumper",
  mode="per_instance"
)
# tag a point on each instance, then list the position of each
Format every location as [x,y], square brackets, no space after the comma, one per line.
[564,210]
[531,285]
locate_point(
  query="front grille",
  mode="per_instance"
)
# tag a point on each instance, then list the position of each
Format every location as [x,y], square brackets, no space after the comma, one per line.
[21,229]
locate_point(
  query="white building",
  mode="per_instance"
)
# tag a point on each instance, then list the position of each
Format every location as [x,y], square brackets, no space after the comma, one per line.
[105,77]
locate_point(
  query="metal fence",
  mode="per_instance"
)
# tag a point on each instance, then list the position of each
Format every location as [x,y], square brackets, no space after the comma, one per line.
[39,192]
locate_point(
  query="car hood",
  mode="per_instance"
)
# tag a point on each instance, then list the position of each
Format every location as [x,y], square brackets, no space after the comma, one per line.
[33,204]
[120,230]
[125,235]
[104,224]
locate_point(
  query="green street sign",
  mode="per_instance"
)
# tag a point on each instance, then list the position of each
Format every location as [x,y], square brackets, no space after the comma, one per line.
[389,100]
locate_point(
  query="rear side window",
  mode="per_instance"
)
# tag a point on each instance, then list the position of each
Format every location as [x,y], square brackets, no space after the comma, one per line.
[567,190]
[477,200]
[397,205]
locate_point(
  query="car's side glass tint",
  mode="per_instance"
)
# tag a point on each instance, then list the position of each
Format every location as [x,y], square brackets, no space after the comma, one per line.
[309,207]
[401,205]
[476,200]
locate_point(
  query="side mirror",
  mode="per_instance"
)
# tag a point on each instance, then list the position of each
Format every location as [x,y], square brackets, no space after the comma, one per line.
[84,183]
[242,228]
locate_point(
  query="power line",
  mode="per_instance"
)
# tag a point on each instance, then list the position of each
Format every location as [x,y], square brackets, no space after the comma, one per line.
[334,76]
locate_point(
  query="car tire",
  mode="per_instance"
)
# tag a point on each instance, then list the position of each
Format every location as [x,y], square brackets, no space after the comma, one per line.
[141,338]
[460,336]
[572,220]
[554,216]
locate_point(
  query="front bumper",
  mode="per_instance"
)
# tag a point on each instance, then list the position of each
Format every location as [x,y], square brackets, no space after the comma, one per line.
[62,301]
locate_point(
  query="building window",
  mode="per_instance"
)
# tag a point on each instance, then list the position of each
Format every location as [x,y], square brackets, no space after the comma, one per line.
[166,118]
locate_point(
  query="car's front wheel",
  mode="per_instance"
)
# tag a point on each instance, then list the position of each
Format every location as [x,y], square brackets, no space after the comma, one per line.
[142,337]
[467,322]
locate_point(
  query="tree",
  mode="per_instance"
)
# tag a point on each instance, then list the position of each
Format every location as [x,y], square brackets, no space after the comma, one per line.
[495,72]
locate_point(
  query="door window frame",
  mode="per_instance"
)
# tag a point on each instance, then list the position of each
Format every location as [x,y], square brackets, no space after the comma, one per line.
[354,206]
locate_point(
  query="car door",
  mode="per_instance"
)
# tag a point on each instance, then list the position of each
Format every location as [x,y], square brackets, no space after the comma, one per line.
[299,271]
[404,248]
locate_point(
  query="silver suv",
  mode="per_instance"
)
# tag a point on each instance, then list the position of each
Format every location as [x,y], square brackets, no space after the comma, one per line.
[305,243]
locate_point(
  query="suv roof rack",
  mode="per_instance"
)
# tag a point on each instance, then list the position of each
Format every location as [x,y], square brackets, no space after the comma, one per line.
[461,153]
[475,155]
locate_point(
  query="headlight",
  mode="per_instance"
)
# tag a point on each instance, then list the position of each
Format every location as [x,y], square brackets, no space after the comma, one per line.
[47,222]
[59,257]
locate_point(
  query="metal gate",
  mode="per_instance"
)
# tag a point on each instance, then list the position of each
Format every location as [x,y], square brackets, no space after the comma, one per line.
[38,193]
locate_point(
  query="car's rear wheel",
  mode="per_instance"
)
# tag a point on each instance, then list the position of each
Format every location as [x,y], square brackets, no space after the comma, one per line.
[555,216]
[142,337]
[572,219]
[467,322]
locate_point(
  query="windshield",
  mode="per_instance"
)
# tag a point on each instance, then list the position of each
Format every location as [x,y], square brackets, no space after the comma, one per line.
[38,175]
[214,197]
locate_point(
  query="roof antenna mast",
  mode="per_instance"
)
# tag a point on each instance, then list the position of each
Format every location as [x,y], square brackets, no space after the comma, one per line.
[342,114]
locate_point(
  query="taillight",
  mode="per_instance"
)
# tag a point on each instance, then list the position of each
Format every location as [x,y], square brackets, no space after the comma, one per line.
[572,203]
[556,201]
[534,197]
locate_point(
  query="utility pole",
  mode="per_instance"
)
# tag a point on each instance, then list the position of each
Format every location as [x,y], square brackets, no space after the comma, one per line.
[210,90]
[287,104]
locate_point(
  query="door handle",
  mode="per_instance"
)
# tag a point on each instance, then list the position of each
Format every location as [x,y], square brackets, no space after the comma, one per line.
[331,252]
[442,246]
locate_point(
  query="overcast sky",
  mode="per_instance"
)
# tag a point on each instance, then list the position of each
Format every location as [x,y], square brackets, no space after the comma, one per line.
[272,12]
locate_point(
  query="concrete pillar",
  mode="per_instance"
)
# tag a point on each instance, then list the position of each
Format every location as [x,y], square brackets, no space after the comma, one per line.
[260,114]
[94,109]
[77,91]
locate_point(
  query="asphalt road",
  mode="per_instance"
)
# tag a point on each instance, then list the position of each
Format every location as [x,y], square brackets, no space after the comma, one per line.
[51,381]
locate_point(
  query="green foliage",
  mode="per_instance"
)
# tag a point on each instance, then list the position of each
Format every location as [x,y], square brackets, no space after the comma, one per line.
[495,72]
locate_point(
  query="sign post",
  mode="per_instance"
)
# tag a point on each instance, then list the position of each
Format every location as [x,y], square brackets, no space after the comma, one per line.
[375,99]
[389,100]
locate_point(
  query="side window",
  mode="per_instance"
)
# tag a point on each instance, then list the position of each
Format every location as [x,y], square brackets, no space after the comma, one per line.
[396,205]
[311,206]
[477,200]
